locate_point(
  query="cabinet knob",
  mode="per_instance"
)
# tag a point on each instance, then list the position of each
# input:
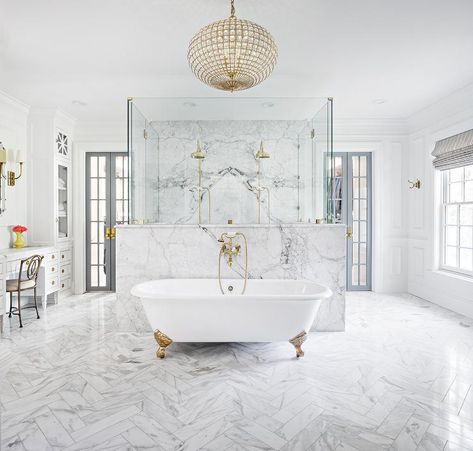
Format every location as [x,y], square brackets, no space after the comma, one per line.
[53,269]
[62,286]
[62,271]
[53,257]
[53,282]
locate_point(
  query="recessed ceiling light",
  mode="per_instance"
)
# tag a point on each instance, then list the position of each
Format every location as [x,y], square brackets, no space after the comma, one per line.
[189,104]
[268,104]
[379,101]
[79,103]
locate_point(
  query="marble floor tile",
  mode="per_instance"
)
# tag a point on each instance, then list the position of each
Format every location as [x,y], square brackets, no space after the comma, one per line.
[400,378]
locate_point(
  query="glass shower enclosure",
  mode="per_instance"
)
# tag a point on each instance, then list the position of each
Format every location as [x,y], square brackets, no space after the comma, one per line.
[249,160]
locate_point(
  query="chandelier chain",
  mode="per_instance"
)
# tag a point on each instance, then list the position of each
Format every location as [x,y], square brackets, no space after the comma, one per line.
[232,9]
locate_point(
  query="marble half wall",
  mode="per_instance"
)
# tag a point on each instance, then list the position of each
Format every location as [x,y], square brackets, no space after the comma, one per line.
[291,251]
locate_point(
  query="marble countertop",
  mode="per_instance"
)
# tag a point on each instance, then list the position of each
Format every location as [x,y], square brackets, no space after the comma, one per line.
[237,226]
[11,252]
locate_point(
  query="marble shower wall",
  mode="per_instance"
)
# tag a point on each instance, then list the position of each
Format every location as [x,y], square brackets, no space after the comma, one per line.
[298,251]
[229,170]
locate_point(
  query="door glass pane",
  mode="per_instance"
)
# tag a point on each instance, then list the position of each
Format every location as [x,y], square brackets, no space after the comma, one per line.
[354,275]
[356,189]
[362,279]
[94,189]
[356,166]
[363,210]
[356,209]
[93,232]
[102,167]
[363,166]
[363,188]
[363,259]
[363,231]
[355,253]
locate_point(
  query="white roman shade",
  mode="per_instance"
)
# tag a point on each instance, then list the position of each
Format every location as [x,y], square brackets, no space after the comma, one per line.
[454,151]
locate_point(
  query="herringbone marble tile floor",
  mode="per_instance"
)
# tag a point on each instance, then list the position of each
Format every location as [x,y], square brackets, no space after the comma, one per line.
[400,377]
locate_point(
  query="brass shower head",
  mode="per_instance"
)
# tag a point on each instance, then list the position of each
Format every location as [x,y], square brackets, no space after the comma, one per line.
[261,152]
[198,154]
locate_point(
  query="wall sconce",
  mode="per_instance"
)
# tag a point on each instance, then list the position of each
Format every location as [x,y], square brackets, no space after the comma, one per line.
[414,184]
[11,175]
[3,162]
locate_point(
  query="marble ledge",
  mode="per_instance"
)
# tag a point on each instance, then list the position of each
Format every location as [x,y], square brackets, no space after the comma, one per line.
[235,226]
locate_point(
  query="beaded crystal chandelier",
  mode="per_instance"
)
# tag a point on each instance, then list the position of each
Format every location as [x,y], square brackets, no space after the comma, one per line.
[232,54]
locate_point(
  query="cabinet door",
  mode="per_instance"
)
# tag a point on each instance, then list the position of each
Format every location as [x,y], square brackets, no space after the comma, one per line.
[63,195]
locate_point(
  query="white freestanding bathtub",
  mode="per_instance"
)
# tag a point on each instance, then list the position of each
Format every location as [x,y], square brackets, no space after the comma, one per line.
[195,310]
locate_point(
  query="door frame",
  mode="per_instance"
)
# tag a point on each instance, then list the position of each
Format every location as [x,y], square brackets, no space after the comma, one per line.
[109,245]
[347,216]
[79,151]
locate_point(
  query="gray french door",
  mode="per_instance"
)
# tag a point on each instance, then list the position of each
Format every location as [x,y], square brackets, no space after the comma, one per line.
[351,204]
[106,206]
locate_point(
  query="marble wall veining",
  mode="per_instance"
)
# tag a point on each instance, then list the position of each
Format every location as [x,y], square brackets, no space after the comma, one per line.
[290,251]
[229,170]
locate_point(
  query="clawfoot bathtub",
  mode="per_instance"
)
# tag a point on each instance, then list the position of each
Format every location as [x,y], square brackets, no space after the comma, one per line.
[194,310]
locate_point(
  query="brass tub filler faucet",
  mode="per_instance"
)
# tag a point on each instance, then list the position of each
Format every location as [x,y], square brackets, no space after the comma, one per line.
[229,249]
[261,154]
[200,156]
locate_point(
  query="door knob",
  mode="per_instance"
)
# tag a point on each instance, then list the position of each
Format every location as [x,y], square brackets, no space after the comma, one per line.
[113,232]
[349,232]
[108,233]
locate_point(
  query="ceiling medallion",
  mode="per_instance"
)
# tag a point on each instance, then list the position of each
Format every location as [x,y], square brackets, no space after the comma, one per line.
[232,54]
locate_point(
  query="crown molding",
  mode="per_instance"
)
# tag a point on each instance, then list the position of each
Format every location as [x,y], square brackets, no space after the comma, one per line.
[370,126]
[456,107]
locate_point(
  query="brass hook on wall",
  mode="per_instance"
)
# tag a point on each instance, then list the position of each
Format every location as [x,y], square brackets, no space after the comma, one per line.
[414,184]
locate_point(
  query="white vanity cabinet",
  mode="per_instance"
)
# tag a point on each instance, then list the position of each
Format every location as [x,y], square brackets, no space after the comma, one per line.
[65,270]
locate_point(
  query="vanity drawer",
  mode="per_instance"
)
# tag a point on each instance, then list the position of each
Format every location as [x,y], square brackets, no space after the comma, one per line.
[65,284]
[52,283]
[66,255]
[52,268]
[65,271]
[52,258]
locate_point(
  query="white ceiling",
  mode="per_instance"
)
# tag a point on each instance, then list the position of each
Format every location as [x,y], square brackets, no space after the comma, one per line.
[98,52]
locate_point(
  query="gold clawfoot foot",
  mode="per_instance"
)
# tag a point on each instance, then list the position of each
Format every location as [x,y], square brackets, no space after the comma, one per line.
[297,343]
[163,341]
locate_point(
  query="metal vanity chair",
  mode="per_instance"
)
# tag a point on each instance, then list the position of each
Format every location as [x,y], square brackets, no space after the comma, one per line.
[33,264]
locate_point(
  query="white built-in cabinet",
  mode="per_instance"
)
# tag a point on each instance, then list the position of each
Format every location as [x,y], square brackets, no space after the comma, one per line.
[50,206]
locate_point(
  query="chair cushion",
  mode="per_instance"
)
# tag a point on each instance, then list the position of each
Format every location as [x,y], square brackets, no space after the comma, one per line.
[12,285]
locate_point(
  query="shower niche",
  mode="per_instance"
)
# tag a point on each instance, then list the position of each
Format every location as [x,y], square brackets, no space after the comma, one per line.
[251,160]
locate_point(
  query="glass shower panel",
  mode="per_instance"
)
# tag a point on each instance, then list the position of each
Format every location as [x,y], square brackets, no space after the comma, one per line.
[323,164]
[288,184]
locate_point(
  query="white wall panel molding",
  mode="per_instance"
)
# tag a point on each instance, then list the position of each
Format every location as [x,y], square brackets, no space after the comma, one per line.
[13,135]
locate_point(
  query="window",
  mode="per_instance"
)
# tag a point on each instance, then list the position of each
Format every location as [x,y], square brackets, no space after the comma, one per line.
[457,243]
